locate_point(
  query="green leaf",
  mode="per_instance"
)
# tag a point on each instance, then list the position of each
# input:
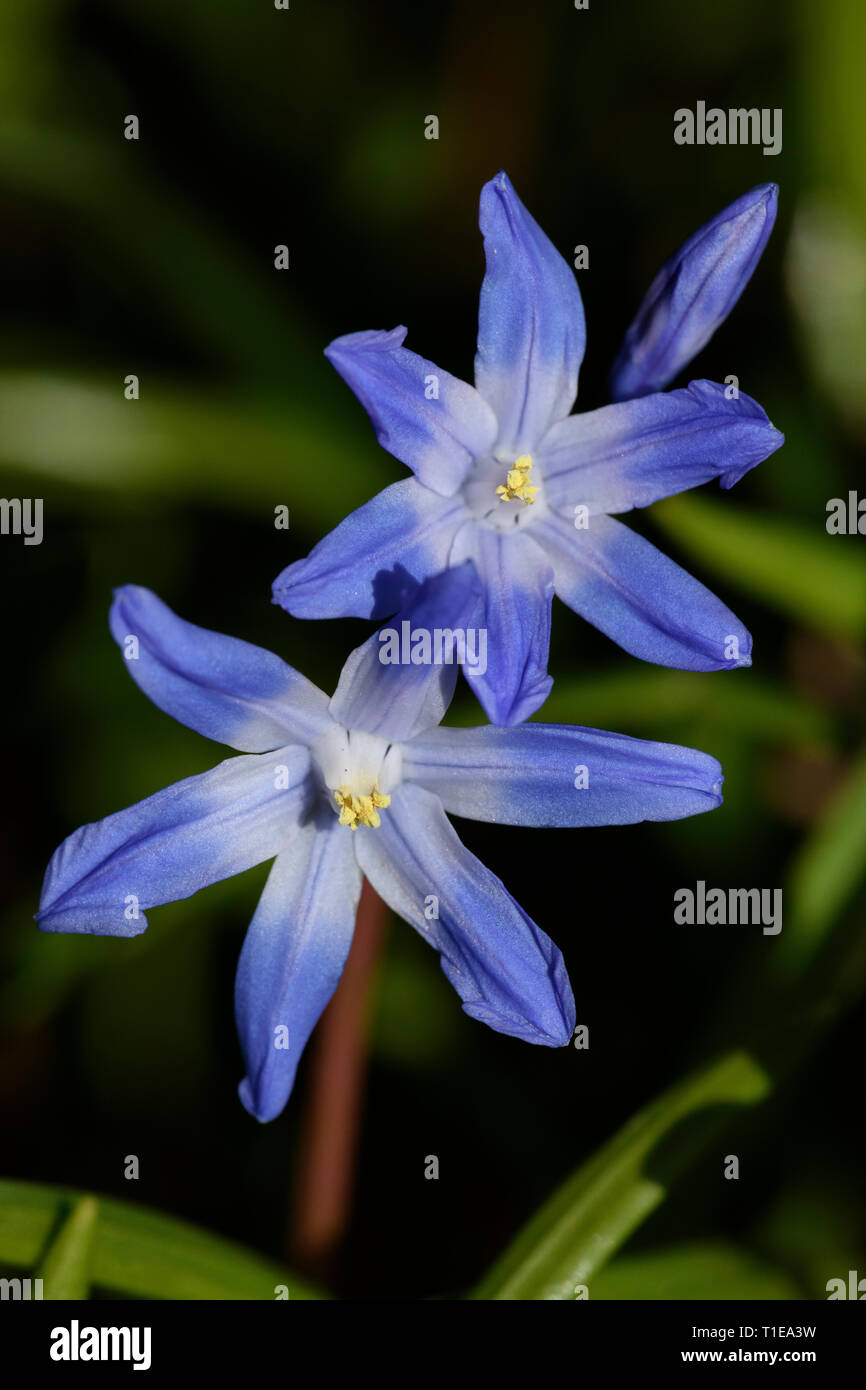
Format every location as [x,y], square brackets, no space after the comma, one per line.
[77,430]
[652,700]
[134,1251]
[699,1271]
[827,285]
[827,251]
[807,574]
[577,1231]
[809,1227]
[66,1266]
[827,869]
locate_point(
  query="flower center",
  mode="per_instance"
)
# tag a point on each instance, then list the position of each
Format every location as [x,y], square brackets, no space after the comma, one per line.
[359,771]
[357,809]
[517,484]
[505,506]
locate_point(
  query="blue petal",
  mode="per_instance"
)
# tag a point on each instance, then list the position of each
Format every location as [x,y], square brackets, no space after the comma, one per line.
[631,454]
[381,690]
[222,687]
[292,960]
[693,293]
[506,970]
[201,830]
[531,330]
[517,581]
[432,422]
[375,558]
[556,775]
[625,587]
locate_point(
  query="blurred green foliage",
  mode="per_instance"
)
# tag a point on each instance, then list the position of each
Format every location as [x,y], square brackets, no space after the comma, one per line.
[80,1243]
[585,1222]
[306,128]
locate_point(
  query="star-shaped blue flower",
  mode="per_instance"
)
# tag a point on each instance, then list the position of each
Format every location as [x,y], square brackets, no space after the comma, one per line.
[333,789]
[504,475]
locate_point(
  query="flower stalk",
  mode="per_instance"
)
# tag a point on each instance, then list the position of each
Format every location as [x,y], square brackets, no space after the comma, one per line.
[322,1200]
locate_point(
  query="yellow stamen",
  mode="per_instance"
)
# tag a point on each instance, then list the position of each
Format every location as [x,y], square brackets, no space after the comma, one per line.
[517,484]
[357,809]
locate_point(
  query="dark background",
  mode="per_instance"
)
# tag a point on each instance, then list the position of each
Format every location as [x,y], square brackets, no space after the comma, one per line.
[155,257]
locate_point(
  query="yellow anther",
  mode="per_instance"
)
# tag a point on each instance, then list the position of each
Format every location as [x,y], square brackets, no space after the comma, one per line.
[357,809]
[517,484]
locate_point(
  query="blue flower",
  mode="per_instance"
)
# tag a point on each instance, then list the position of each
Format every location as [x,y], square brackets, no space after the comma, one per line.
[693,293]
[505,476]
[361,784]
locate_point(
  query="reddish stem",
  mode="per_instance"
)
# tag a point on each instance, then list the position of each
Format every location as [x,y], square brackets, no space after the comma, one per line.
[330,1135]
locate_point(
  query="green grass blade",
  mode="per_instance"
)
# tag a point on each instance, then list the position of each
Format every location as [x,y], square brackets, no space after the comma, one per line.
[135,1251]
[709,1270]
[827,869]
[596,1209]
[65,1269]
